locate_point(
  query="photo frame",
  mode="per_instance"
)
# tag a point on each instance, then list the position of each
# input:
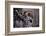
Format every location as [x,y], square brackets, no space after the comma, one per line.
[36,11]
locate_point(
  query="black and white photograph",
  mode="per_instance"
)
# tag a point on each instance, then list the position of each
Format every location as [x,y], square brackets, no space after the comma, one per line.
[25,17]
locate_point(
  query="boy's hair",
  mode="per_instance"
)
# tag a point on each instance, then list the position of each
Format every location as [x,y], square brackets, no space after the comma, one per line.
[25,12]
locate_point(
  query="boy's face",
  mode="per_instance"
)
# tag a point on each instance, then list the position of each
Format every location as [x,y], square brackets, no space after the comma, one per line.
[28,14]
